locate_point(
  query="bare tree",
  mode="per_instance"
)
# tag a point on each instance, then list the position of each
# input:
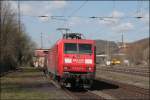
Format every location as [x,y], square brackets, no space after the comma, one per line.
[16,48]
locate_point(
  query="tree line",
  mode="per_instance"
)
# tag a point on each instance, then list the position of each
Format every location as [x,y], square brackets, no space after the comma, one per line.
[16,47]
[138,52]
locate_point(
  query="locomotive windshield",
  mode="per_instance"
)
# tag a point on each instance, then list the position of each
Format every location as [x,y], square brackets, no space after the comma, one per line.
[85,48]
[72,48]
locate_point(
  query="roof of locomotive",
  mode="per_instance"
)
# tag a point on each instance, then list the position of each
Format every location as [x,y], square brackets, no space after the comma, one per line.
[88,41]
[75,41]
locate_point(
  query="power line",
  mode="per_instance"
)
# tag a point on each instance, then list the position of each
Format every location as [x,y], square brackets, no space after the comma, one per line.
[41,40]
[93,17]
[19,15]
[110,17]
[139,8]
[75,11]
[114,7]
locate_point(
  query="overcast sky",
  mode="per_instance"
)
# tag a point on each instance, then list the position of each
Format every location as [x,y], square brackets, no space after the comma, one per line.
[76,17]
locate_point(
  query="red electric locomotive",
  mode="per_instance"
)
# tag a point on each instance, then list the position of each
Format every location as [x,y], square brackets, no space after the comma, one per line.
[72,61]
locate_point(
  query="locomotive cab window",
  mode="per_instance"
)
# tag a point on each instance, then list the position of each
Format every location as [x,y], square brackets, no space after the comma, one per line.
[70,48]
[85,48]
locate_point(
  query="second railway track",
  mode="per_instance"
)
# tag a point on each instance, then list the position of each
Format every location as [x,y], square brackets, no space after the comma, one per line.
[126,91]
[104,89]
[82,94]
[122,91]
[138,72]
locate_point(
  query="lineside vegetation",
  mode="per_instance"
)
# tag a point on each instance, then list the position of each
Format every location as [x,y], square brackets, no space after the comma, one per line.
[16,47]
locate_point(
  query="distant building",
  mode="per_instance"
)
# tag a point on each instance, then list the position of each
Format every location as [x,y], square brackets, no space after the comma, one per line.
[39,57]
[40,52]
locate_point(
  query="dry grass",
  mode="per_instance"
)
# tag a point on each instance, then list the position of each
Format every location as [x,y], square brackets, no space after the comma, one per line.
[29,84]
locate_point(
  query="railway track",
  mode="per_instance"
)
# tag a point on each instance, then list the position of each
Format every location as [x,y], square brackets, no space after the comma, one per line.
[139,72]
[82,94]
[126,91]
[77,93]
[104,89]
[108,89]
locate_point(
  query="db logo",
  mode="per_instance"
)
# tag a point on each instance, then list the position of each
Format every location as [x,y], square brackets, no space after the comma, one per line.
[78,60]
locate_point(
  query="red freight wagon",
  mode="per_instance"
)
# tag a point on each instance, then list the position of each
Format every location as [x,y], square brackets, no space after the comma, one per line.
[72,60]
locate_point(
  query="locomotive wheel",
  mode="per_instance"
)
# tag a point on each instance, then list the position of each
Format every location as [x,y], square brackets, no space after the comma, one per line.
[47,73]
[90,84]
[73,84]
[62,84]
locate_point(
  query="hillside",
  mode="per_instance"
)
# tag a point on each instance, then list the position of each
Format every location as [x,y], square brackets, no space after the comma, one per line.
[138,51]
[103,45]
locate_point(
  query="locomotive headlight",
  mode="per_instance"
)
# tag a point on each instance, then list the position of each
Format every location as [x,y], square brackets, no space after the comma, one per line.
[89,68]
[88,61]
[68,60]
[65,68]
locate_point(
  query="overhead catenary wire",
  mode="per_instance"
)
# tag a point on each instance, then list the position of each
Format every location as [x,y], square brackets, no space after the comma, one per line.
[63,13]
[75,11]
[63,18]
[106,18]
[19,16]
[139,8]
[114,7]
[93,17]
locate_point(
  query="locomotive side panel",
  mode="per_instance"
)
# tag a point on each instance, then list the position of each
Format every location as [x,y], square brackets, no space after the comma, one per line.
[60,58]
